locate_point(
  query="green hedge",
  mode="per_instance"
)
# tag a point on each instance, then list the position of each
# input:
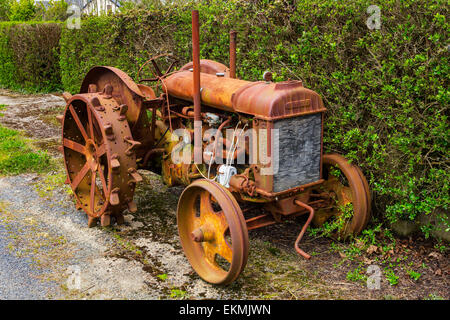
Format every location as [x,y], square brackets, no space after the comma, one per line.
[29,56]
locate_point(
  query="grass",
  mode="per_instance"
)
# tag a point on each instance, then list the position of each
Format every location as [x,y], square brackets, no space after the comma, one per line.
[17,155]
[2,107]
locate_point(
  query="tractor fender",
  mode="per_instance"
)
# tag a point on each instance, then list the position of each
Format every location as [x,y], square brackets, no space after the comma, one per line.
[125,90]
[101,75]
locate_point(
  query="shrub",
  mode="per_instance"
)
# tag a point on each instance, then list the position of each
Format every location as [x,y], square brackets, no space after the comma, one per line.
[29,56]
[82,49]
[56,10]
[22,10]
[5,9]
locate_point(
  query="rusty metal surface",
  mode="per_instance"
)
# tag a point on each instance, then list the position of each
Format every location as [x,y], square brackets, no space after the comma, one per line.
[270,101]
[102,75]
[265,100]
[216,91]
[196,87]
[353,191]
[263,220]
[116,84]
[233,36]
[302,232]
[156,69]
[147,91]
[98,156]
[209,67]
[211,225]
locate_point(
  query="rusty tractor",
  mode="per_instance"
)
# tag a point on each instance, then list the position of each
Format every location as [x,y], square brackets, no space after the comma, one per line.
[116,126]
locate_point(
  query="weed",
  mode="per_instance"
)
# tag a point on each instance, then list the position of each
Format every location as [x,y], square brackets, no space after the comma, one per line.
[177,293]
[433,296]
[391,277]
[162,277]
[414,275]
[357,275]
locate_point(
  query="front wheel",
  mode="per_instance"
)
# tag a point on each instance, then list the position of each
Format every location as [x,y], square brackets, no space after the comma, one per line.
[349,194]
[212,231]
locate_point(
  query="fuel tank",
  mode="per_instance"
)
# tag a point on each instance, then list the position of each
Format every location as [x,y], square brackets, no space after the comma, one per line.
[264,100]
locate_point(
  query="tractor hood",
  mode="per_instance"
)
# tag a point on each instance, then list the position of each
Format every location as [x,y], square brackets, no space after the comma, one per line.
[264,100]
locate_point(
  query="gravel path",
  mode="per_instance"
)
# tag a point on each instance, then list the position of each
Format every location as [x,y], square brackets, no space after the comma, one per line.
[18,276]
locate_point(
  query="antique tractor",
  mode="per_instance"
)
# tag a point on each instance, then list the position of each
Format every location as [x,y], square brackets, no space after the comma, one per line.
[271,157]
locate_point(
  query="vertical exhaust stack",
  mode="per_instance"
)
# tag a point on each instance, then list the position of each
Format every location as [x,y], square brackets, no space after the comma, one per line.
[196,93]
[233,35]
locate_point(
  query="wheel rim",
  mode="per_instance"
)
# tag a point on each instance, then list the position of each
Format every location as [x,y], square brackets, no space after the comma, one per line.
[212,231]
[350,193]
[86,158]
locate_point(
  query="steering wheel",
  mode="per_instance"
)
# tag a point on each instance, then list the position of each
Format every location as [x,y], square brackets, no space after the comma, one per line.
[156,70]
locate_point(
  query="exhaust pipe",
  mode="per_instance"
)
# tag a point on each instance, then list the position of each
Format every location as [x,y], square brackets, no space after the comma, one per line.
[196,93]
[233,35]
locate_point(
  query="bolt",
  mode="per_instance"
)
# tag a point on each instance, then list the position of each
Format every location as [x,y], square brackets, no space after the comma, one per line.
[197,235]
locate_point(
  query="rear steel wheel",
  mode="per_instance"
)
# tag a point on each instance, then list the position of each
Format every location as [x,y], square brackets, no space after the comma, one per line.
[350,207]
[212,231]
[99,156]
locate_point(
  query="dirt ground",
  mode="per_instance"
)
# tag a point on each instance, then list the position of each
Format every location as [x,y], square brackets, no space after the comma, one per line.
[143,259]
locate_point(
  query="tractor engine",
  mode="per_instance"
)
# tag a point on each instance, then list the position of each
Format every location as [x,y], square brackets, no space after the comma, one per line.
[296,114]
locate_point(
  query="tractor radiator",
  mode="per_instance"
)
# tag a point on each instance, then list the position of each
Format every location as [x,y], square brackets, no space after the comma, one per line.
[299,151]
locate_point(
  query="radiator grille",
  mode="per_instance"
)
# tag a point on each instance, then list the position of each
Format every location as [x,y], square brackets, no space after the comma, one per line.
[299,144]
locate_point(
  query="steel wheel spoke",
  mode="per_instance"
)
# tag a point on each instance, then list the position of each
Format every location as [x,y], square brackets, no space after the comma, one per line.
[224,250]
[78,122]
[92,193]
[206,208]
[205,205]
[74,146]
[80,176]
[91,126]
[158,71]
[210,253]
[101,150]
